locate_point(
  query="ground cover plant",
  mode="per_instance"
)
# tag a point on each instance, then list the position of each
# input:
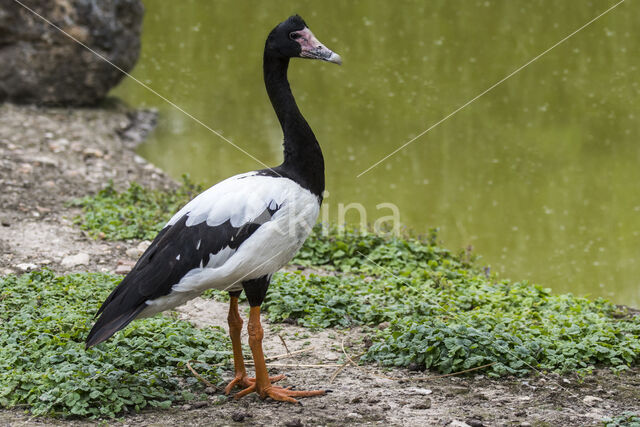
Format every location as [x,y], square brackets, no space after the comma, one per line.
[628,419]
[454,321]
[442,310]
[44,367]
[135,213]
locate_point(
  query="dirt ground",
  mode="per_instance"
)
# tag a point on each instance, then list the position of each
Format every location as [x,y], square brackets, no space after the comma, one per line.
[48,157]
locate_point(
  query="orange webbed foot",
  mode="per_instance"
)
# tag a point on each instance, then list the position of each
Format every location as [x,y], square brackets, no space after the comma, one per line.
[243,380]
[279,393]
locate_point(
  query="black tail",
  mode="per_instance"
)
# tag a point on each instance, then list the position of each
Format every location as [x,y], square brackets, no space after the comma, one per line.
[117,311]
[108,325]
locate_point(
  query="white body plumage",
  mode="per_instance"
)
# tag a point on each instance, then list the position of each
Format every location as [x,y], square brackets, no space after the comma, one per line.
[241,200]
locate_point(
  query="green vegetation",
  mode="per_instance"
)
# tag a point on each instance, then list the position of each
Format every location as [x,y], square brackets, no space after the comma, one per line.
[628,419]
[350,250]
[136,213]
[44,320]
[458,320]
[440,310]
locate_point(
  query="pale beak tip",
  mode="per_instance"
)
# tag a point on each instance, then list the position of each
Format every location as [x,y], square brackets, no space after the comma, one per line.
[335,58]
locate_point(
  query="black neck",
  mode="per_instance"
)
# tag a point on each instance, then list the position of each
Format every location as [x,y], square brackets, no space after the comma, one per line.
[303,161]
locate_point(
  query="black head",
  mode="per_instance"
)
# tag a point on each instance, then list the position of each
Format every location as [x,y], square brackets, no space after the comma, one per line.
[292,39]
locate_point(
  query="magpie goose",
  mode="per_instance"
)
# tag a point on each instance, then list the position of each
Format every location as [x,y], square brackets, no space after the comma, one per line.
[236,234]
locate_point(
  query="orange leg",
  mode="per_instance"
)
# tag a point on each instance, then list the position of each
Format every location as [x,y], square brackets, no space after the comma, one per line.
[235,328]
[262,384]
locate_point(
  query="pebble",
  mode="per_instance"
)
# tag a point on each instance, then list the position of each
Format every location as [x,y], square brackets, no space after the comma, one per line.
[123,268]
[75,260]
[77,147]
[27,266]
[45,161]
[92,152]
[591,400]
[238,417]
[415,390]
[198,405]
[133,252]
[384,325]
[459,390]
[25,168]
[425,404]
[354,416]
[458,423]
[58,145]
[138,250]
[144,245]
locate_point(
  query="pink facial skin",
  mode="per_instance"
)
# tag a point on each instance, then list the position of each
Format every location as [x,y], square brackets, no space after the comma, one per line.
[312,48]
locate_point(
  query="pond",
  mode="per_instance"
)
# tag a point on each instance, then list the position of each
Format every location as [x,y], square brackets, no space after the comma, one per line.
[539,175]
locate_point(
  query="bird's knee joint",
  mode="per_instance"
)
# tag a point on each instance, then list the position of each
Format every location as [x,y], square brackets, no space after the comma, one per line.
[256,333]
[234,319]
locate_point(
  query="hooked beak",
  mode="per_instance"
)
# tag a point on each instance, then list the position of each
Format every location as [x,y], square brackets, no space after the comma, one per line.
[313,49]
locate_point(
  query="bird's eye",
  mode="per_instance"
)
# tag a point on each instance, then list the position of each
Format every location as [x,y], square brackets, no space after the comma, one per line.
[294,36]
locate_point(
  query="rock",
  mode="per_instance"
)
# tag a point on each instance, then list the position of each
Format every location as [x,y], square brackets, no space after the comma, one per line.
[591,400]
[198,405]
[45,161]
[425,404]
[27,266]
[92,152]
[138,250]
[384,325]
[139,125]
[458,423]
[354,416]
[75,260]
[124,266]
[416,390]
[238,417]
[416,367]
[41,65]
[458,390]
[474,422]
[294,423]
[133,253]
[59,145]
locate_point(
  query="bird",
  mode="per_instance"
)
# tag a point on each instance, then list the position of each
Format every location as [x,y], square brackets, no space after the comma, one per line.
[235,235]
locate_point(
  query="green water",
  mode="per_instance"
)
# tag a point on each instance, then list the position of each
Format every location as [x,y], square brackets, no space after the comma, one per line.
[540,175]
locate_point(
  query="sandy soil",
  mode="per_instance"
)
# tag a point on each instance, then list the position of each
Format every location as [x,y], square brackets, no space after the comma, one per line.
[50,156]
